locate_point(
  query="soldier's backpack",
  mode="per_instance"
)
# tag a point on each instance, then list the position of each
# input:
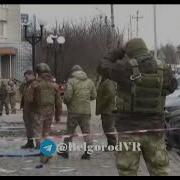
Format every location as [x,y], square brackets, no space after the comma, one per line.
[146,90]
[145,95]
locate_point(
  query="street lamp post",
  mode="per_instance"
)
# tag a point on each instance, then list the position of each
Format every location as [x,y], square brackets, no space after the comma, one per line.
[57,41]
[33,40]
[155,32]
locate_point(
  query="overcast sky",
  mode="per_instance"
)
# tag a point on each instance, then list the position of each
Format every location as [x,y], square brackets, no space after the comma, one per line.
[168,18]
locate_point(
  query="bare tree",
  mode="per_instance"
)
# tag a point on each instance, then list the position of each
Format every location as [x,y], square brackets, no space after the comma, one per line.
[169,51]
[86,43]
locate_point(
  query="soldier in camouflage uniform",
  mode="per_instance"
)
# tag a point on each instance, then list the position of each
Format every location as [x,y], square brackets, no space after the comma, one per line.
[78,96]
[12,95]
[45,95]
[143,84]
[4,97]
[105,106]
[28,108]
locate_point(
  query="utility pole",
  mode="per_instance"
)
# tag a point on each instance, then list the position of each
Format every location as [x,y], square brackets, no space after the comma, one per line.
[155,32]
[56,28]
[137,17]
[112,25]
[113,40]
[112,17]
[34,23]
[131,27]
[128,32]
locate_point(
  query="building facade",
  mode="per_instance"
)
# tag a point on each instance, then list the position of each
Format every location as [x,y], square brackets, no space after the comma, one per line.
[13,52]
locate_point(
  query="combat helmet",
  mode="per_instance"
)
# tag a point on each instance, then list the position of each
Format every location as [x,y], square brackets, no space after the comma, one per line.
[43,68]
[136,47]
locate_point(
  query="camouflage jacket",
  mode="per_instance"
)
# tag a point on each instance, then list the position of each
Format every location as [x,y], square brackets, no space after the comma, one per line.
[3,90]
[79,93]
[106,95]
[12,90]
[45,98]
[25,105]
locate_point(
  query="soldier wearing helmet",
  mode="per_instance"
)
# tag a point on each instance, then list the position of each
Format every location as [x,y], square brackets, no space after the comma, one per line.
[143,84]
[45,95]
[42,68]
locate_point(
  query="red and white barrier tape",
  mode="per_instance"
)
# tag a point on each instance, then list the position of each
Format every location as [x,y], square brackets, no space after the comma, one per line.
[102,134]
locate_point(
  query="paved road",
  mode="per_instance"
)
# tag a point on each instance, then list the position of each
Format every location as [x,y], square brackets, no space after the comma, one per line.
[102,164]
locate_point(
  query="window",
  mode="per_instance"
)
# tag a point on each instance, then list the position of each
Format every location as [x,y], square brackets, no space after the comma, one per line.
[24,18]
[2,29]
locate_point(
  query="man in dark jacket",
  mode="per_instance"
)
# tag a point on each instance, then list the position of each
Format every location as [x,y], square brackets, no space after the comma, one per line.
[28,109]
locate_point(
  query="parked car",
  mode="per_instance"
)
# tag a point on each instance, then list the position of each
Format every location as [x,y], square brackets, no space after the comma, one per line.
[173,118]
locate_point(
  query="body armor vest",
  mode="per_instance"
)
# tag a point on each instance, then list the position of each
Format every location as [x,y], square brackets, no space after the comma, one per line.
[45,94]
[145,95]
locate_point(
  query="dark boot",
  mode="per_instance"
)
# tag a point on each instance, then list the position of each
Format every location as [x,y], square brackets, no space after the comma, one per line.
[65,154]
[28,145]
[44,159]
[38,144]
[86,156]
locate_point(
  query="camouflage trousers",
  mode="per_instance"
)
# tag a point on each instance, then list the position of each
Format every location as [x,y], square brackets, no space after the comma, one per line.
[108,124]
[154,153]
[28,118]
[42,125]
[4,103]
[12,101]
[75,120]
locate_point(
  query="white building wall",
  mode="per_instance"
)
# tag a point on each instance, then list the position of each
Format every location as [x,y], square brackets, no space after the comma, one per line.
[12,18]
[11,15]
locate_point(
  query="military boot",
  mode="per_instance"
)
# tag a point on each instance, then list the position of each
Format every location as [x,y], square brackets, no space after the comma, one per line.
[38,144]
[86,156]
[65,154]
[28,145]
[44,159]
